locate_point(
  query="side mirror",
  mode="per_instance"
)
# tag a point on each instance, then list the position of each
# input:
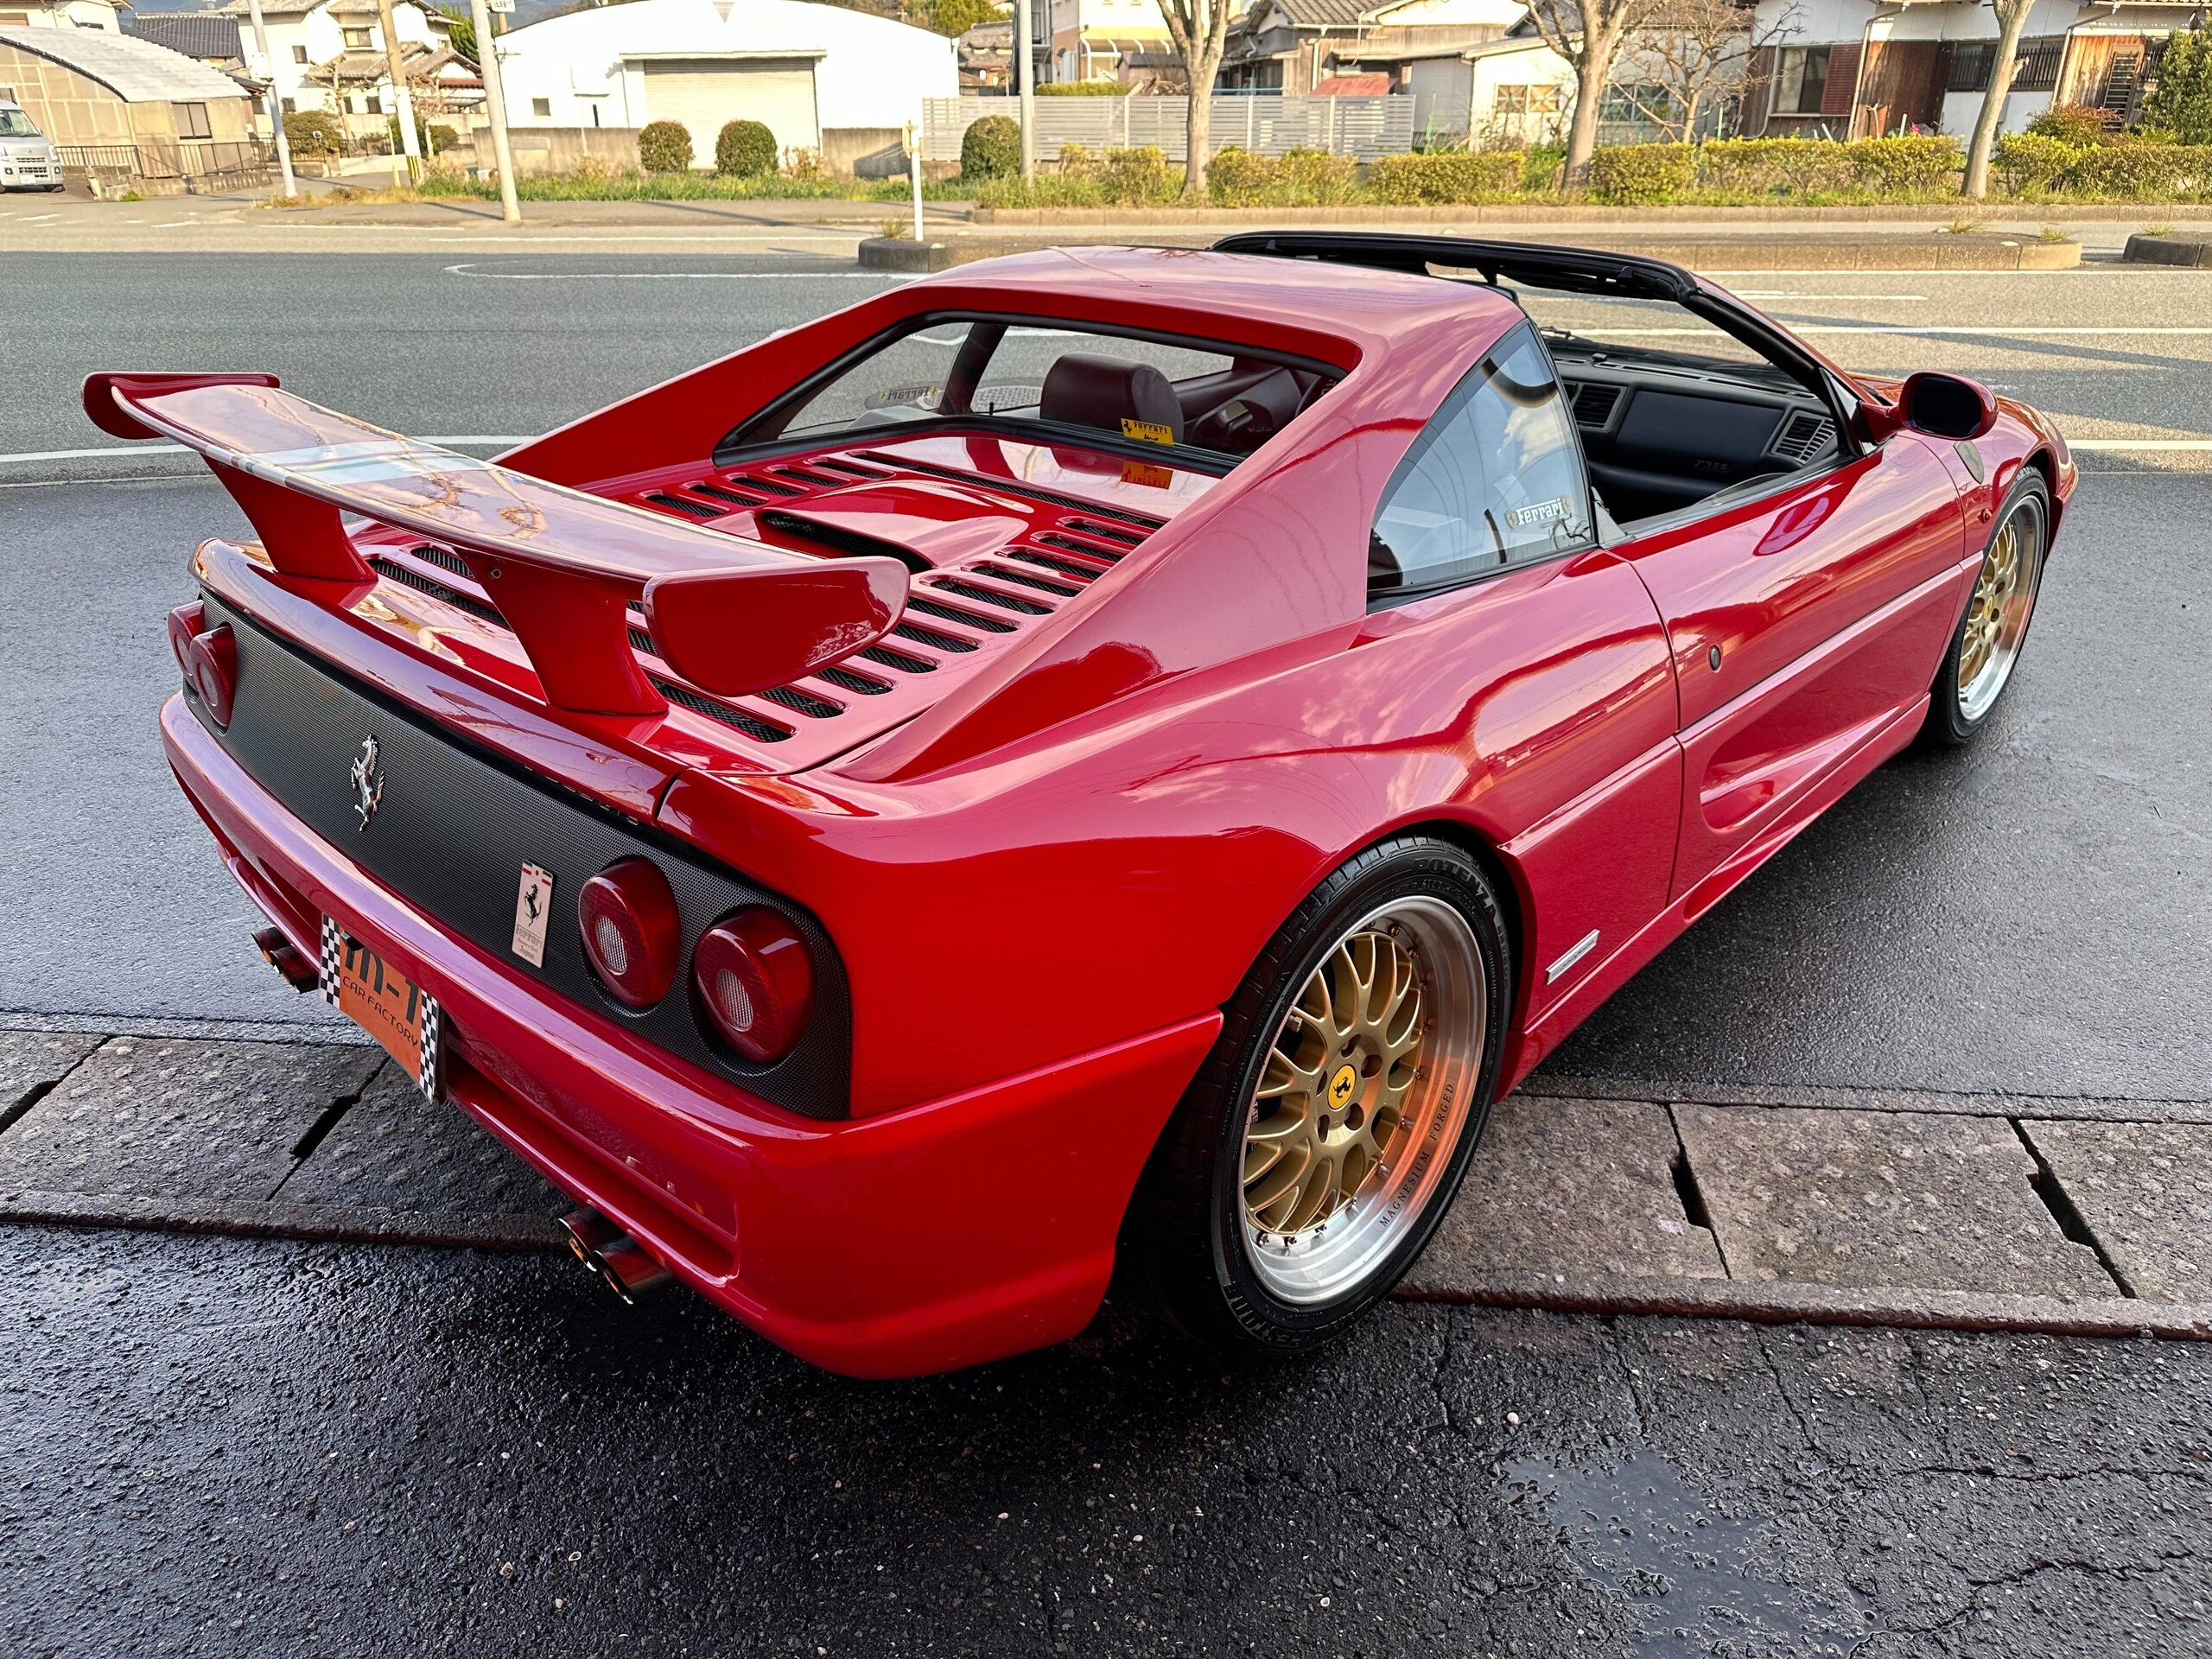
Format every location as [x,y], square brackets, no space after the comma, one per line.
[1947,406]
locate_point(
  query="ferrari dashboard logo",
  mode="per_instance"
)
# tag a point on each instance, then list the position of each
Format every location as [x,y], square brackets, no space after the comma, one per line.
[367,780]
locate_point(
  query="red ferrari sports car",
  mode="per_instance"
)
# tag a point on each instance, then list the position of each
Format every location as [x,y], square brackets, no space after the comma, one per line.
[1109,758]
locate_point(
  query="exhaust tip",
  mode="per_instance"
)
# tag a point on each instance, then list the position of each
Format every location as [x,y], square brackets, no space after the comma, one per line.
[292,966]
[589,1233]
[629,1272]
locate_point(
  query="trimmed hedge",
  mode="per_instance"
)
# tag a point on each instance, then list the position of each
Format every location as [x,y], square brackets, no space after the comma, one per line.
[314,132]
[1445,177]
[1908,166]
[664,147]
[2033,161]
[1237,178]
[2142,172]
[745,150]
[1642,174]
[991,148]
[2078,124]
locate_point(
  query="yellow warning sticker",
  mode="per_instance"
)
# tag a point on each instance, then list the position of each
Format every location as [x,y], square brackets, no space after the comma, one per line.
[1145,431]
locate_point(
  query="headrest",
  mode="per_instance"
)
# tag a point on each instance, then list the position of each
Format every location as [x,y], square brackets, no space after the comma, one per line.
[1105,392]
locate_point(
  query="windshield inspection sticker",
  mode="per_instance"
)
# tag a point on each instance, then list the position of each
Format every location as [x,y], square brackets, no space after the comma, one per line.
[533,904]
[1539,512]
[1148,432]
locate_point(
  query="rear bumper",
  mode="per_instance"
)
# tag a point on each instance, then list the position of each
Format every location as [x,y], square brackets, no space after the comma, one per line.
[942,1235]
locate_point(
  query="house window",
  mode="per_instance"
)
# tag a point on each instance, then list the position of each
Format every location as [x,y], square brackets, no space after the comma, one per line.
[373,104]
[1801,78]
[1527,100]
[1633,103]
[14,20]
[357,40]
[2039,65]
[290,108]
[299,54]
[191,121]
[541,108]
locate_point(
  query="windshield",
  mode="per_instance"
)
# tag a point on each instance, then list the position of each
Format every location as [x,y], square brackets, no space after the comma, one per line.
[1123,388]
[14,124]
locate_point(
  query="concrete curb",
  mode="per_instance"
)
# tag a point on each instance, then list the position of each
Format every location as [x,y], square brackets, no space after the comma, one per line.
[1908,251]
[1798,1304]
[273,1219]
[2056,1108]
[1587,213]
[2192,248]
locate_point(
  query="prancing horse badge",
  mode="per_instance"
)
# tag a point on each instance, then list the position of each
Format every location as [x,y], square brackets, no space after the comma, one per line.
[368,781]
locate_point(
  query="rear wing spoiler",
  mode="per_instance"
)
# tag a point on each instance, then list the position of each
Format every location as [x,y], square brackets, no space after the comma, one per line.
[562,567]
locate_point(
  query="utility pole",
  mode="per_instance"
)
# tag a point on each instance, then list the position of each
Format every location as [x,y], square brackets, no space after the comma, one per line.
[495,104]
[1024,72]
[276,103]
[409,145]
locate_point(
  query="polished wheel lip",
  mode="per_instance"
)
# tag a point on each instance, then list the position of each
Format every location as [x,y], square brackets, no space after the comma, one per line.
[1413,1093]
[1998,613]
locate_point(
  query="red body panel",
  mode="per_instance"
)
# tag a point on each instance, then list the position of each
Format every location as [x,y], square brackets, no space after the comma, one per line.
[1048,859]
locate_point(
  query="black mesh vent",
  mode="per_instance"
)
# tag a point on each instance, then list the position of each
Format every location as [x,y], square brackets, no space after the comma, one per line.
[1594,403]
[765,485]
[1065,567]
[641,640]
[444,558]
[849,467]
[437,589]
[697,509]
[887,658]
[697,704]
[846,679]
[1803,436]
[1013,486]
[1111,533]
[730,496]
[922,636]
[800,475]
[1053,538]
[1025,580]
[845,541]
[990,596]
[954,613]
[793,698]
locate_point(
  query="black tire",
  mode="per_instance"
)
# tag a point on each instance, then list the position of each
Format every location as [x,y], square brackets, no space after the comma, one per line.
[1184,1255]
[1950,723]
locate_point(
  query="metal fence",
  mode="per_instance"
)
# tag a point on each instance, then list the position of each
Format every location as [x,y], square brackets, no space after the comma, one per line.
[1360,127]
[197,167]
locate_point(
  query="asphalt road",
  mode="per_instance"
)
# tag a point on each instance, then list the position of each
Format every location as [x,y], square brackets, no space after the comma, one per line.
[227,1447]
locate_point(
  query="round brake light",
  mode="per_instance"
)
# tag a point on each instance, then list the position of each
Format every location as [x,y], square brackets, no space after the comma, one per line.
[755,982]
[185,621]
[631,933]
[211,662]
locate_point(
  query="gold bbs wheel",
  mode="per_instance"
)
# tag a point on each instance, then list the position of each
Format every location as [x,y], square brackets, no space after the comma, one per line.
[1364,1091]
[1997,614]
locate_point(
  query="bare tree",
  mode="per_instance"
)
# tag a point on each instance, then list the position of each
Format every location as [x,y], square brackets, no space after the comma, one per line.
[1199,29]
[2012,24]
[1588,35]
[1693,55]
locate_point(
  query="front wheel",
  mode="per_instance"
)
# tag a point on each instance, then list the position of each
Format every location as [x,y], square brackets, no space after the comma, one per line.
[1320,1145]
[1986,645]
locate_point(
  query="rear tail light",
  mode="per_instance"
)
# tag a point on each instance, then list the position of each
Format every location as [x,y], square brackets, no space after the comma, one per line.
[631,933]
[755,982]
[209,657]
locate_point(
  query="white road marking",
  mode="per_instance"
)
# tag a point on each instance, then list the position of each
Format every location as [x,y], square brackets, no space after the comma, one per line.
[469,270]
[2127,445]
[179,450]
[171,224]
[2025,331]
[41,219]
[1793,293]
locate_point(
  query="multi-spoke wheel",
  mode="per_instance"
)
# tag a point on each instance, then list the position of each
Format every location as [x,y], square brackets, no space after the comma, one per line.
[1318,1149]
[1980,662]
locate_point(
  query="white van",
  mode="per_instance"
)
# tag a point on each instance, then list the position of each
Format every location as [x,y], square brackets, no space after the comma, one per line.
[27,160]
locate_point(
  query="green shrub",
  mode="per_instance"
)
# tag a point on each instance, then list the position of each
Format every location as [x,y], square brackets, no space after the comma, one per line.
[664,147]
[314,132]
[1046,190]
[1627,175]
[2078,124]
[1441,178]
[1137,178]
[1757,167]
[1237,178]
[1541,167]
[2181,104]
[744,149]
[2141,172]
[1083,89]
[443,138]
[1312,178]
[2034,161]
[1907,166]
[991,148]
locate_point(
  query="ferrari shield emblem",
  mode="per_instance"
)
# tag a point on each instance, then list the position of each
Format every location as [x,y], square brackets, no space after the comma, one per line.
[533,904]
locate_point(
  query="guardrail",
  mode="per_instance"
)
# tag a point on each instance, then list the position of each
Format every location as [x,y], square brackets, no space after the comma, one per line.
[1269,125]
[218,164]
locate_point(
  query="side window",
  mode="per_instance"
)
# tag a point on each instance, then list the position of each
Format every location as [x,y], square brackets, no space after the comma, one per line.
[1494,478]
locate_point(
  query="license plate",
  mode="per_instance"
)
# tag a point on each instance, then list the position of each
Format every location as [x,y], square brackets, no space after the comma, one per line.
[392,1008]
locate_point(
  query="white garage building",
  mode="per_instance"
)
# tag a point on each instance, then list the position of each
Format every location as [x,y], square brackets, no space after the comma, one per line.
[795,67]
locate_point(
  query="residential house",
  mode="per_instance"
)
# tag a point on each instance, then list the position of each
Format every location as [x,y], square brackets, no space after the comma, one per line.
[329,55]
[1513,92]
[63,13]
[1289,46]
[207,36]
[1125,41]
[127,110]
[1854,68]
